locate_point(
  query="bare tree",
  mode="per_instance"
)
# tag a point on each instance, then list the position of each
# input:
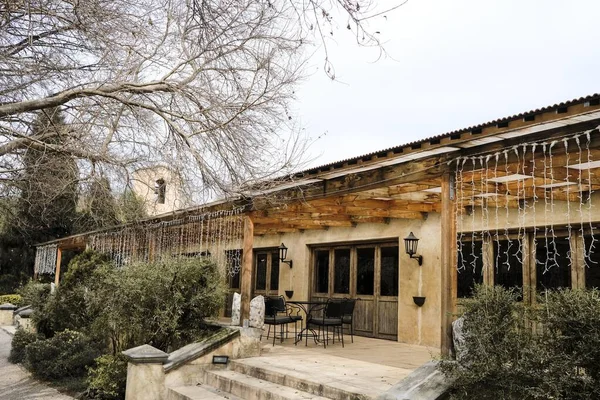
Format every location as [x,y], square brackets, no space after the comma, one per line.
[203,85]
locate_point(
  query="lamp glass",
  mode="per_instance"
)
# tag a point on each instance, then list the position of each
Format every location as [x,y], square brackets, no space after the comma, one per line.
[282,252]
[411,242]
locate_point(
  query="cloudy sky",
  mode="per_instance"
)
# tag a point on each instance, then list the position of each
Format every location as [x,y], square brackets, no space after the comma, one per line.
[451,64]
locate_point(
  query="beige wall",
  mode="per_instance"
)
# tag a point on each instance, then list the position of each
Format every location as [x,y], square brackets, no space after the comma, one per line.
[417,325]
[144,181]
[540,214]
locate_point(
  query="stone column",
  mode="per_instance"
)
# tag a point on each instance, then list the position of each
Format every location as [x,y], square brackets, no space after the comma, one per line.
[6,314]
[145,373]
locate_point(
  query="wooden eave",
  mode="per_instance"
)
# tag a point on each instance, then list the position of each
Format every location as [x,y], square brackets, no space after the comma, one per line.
[403,182]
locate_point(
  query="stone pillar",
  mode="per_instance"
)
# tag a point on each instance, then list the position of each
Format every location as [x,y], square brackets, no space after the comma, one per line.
[145,373]
[6,314]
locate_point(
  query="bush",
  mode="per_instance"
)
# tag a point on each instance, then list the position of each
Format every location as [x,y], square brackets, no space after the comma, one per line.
[66,355]
[14,299]
[551,351]
[107,379]
[37,295]
[20,341]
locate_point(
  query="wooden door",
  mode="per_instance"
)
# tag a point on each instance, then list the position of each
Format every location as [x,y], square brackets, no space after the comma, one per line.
[266,272]
[367,272]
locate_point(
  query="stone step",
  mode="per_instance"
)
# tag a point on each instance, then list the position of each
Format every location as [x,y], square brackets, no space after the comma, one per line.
[252,388]
[198,392]
[315,384]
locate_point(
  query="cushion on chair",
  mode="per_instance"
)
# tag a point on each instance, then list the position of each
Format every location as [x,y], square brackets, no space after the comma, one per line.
[347,319]
[326,321]
[278,320]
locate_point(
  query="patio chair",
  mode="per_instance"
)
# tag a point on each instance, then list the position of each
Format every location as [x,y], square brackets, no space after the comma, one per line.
[277,314]
[348,315]
[332,316]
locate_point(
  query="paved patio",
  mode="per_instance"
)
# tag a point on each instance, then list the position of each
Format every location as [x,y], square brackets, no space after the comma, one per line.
[376,351]
[368,366]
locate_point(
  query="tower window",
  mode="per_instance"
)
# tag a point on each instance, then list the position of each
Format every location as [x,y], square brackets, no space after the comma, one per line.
[160,188]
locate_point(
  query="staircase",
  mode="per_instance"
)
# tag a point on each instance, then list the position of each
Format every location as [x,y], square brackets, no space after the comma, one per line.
[247,379]
[291,375]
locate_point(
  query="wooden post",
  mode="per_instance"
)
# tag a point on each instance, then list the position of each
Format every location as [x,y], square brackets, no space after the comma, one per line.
[448,258]
[57,270]
[247,264]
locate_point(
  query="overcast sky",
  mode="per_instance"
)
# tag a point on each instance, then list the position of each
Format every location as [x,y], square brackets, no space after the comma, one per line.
[451,64]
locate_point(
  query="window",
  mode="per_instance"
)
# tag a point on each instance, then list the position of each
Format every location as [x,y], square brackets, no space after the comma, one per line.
[160,188]
[470,267]
[508,260]
[274,284]
[553,266]
[356,270]
[234,262]
[365,270]
[261,271]
[389,271]
[322,271]
[592,263]
[341,280]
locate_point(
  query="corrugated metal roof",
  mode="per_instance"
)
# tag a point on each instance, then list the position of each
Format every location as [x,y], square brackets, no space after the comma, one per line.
[396,149]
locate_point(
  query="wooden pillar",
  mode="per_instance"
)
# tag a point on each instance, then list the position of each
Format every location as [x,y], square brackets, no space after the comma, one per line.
[529,271]
[247,264]
[57,270]
[448,261]
[577,242]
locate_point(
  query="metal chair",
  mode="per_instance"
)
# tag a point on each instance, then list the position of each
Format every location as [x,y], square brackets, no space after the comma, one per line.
[348,315]
[277,314]
[332,316]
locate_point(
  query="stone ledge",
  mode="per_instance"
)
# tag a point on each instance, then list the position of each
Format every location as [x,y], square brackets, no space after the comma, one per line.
[8,306]
[196,350]
[425,383]
[145,354]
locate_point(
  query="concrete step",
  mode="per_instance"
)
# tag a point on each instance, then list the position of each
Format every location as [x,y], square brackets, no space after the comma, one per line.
[252,388]
[198,392]
[316,384]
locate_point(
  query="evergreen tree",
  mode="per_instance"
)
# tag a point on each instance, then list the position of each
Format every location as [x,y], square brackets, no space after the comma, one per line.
[99,208]
[44,206]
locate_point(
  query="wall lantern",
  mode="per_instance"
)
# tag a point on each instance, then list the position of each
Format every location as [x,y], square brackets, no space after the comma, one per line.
[411,242]
[283,255]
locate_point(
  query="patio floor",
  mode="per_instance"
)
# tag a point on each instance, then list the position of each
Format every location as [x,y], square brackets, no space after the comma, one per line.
[376,351]
[368,367]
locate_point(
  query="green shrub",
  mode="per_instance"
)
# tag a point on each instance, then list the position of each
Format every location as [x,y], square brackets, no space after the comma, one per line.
[37,295]
[551,351]
[107,379]
[20,341]
[162,303]
[14,299]
[66,355]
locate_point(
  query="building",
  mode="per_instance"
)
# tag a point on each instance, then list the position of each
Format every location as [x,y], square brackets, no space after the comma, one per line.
[507,202]
[161,189]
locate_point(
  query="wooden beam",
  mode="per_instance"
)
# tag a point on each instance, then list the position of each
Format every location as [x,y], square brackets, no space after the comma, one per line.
[57,270]
[448,262]
[247,267]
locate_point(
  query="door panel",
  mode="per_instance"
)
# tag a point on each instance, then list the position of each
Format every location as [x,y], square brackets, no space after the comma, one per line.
[387,322]
[363,317]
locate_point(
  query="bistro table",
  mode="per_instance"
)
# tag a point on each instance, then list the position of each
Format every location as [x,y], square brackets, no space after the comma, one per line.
[308,307]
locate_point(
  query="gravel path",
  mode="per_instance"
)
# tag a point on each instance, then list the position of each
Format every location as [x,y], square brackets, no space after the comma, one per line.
[16,383]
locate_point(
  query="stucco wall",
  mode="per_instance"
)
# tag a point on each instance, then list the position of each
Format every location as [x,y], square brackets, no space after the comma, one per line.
[144,181]
[416,325]
[542,213]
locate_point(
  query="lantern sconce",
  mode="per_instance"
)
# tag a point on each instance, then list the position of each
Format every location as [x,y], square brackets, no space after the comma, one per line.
[283,255]
[411,242]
